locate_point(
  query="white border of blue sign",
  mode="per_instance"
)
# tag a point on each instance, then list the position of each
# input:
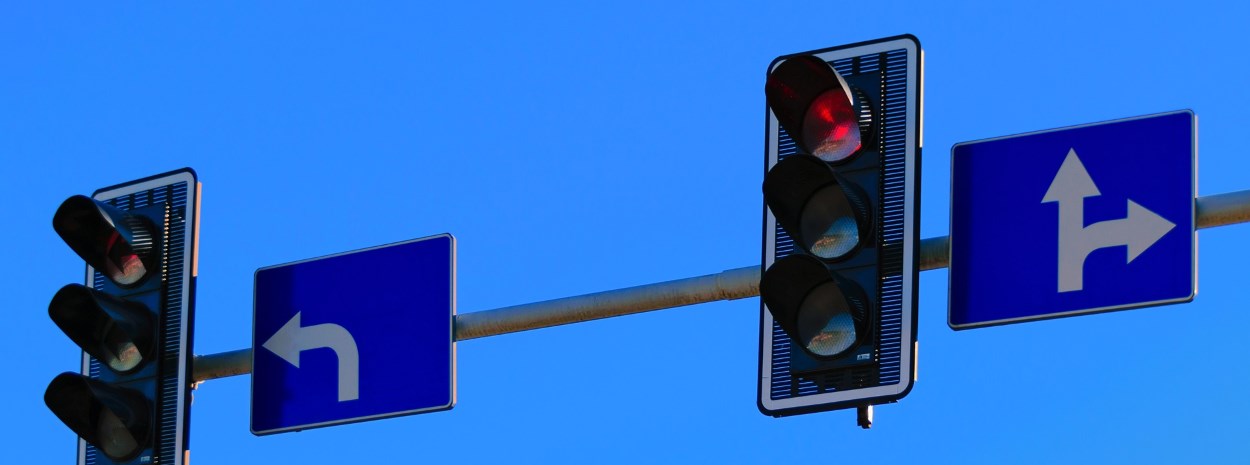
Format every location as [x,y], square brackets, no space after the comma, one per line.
[1193,230]
[451,339]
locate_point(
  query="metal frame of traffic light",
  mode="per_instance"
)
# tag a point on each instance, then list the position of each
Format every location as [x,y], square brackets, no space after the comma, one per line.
[794,380]
[150,396]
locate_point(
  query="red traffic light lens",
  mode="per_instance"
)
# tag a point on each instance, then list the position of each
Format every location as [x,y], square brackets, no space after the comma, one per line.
[831,126]
[816,108]
[114,242]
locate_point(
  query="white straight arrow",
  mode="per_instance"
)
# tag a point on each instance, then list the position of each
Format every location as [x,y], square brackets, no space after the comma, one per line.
[293,339]
[1139,230]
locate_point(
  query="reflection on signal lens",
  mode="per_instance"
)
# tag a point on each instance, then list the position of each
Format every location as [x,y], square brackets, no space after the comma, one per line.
[826,327]
[831,126]
[828,224]
[115,439]
[126,269]
[118,350]
[839,239]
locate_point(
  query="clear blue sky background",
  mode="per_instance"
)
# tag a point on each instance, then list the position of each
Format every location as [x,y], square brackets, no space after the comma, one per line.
[583,146]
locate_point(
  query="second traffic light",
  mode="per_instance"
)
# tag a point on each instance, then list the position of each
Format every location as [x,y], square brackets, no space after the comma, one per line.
[132,320]
[841,227]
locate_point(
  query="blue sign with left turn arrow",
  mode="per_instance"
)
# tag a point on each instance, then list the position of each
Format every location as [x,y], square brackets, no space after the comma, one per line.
[1072,221]
[355,336]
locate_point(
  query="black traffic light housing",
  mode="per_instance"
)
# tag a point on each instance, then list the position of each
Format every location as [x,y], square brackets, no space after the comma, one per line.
[841,190]
[129,405]
[116,420]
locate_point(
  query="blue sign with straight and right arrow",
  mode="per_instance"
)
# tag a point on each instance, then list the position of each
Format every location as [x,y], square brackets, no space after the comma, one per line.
[355,336]
[1072,221]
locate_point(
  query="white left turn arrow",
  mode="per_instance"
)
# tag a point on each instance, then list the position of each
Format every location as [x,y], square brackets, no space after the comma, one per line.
[293,339]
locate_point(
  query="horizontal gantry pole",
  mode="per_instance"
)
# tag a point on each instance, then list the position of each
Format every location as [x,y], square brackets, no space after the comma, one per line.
[738,283]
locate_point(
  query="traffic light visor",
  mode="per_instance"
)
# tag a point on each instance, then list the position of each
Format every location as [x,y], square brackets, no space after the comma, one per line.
[818,309]
[825,214]
[114,242]
[114,419]
[118,333]
[816,107]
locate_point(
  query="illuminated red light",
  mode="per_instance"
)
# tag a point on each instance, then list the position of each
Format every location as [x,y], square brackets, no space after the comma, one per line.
[831,126]
[815,107]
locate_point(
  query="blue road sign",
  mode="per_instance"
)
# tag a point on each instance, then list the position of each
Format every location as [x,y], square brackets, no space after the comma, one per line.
[1072,221]
[355,336]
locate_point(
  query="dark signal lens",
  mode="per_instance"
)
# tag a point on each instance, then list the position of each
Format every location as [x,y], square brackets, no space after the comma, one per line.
[114,419]
[825,313]
[117,332]
[830,225]
[827,215]
[825,322]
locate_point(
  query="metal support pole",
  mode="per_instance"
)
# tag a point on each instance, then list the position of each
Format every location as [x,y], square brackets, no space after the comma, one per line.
[1222,209]
[738,283]
[727,285]
[235,362]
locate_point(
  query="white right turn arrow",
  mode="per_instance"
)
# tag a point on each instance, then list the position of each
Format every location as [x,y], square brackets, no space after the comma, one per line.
[292,339]
[1139,230]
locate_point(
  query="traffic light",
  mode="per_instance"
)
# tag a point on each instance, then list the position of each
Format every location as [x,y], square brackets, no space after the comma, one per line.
[841,226]
[132,319]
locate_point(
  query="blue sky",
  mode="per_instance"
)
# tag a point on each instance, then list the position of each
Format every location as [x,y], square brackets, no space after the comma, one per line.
[579,147]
